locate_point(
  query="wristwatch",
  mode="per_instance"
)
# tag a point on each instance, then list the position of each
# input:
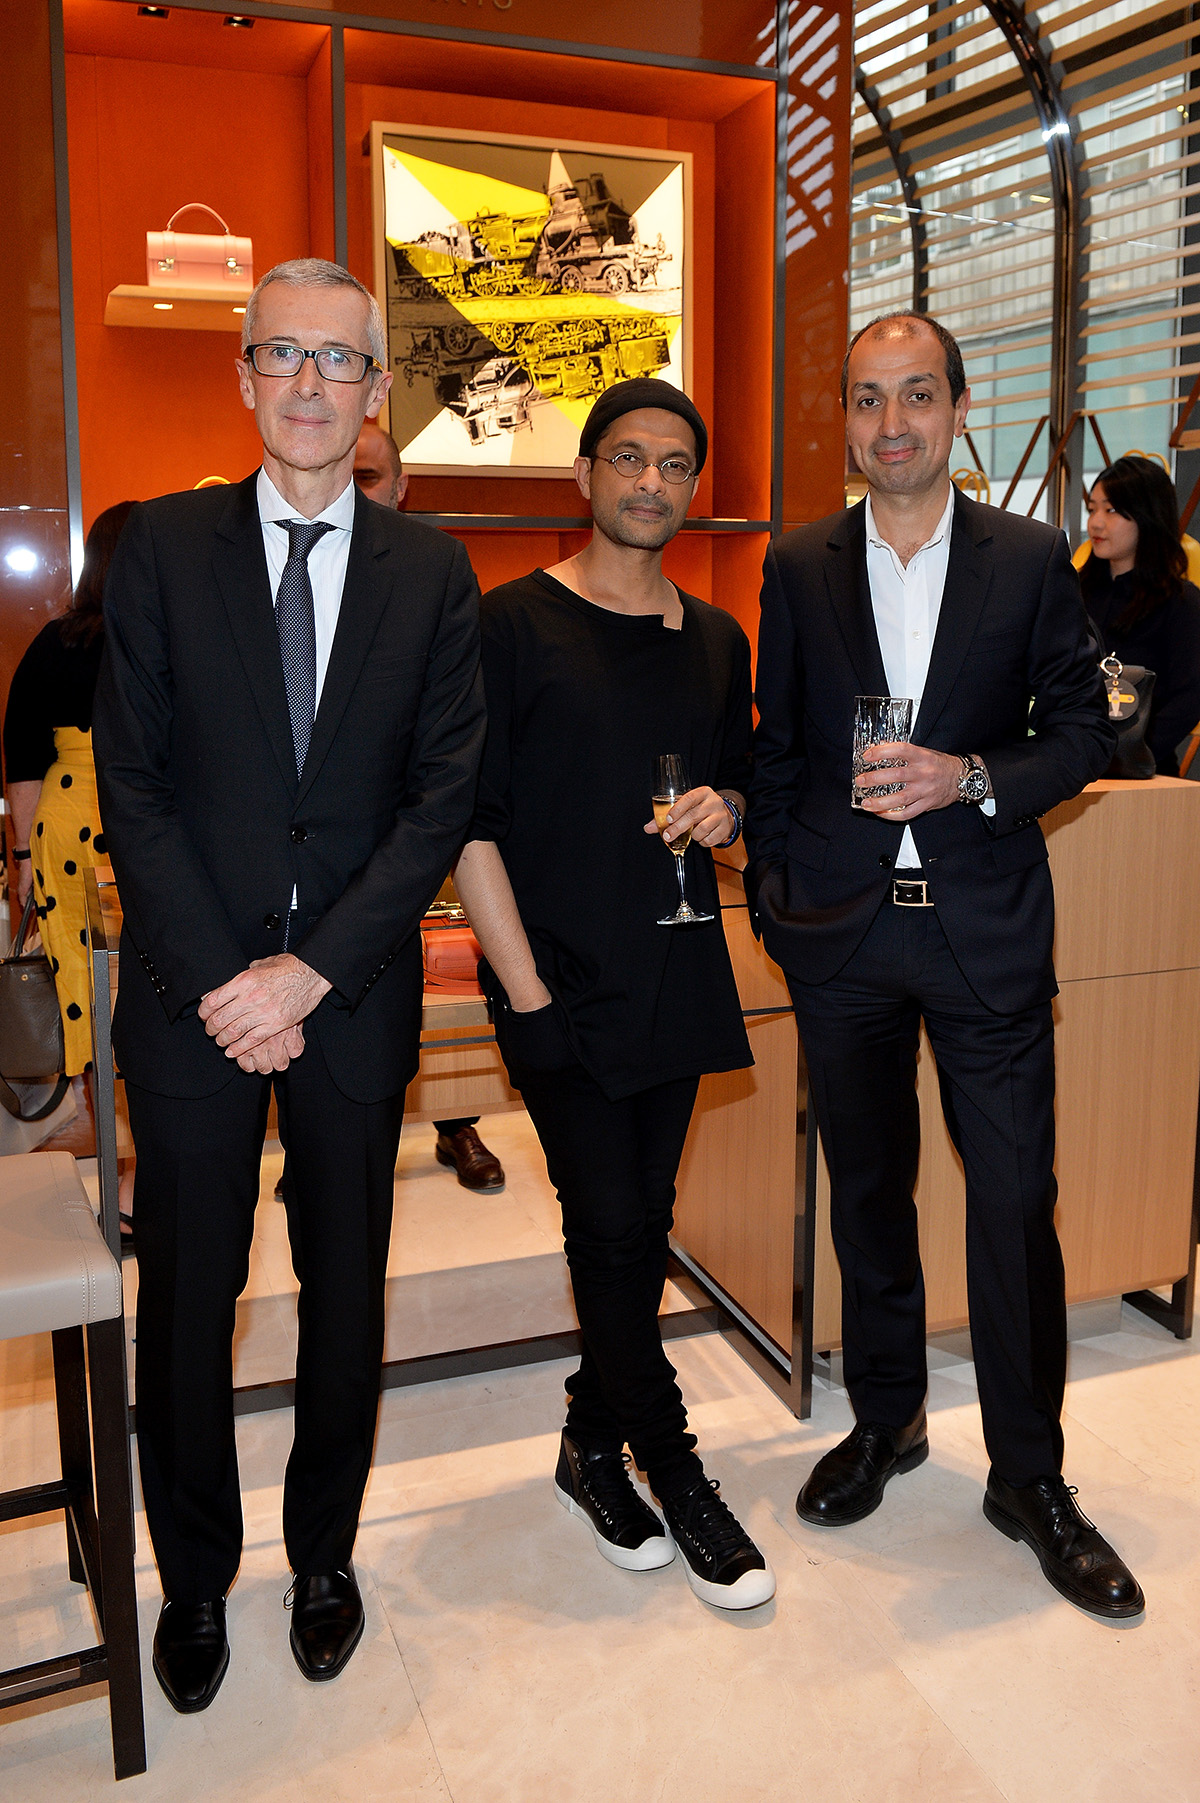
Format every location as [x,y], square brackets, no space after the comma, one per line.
[974,785]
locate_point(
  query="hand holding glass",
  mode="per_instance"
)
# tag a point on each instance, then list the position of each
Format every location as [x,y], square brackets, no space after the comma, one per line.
[878,720]
[670,781]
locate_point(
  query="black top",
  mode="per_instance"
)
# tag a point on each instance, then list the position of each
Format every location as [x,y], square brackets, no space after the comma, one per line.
[53,686]
[1166,641]
[580,700]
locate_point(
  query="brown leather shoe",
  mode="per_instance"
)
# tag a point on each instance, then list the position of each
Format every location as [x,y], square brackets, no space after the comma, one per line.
[477,1168]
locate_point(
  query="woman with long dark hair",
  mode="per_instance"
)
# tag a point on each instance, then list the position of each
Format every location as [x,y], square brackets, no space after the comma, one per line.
[51,780]
[1136,589]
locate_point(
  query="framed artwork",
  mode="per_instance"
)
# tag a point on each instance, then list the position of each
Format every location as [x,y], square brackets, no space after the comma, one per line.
[520,278]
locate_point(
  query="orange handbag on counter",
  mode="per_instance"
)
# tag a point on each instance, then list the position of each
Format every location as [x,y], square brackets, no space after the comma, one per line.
[221,265]
[452,957]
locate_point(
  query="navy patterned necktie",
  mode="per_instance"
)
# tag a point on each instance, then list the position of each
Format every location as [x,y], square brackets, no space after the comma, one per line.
[296,621]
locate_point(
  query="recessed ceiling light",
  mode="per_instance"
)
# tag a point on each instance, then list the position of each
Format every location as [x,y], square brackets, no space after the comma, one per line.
[164,306]
[240,21]
[239,309]
[154,12]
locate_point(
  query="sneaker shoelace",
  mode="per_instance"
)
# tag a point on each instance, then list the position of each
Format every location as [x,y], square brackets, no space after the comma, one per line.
[607,1481]
[706,1518]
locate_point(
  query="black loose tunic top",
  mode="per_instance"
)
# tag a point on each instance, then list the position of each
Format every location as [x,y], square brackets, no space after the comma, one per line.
[580,700]
[53,685]
[1166,641]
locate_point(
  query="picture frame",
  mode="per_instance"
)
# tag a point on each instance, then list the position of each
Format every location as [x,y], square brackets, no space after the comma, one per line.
[519,277]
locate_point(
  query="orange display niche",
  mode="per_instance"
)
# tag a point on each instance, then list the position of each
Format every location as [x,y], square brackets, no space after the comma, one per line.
[165,111]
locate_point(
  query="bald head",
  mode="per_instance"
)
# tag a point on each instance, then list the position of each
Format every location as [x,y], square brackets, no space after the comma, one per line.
[377,467]
[904,324]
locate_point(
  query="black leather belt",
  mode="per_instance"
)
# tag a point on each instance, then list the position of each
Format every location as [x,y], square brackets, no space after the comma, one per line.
[911,891]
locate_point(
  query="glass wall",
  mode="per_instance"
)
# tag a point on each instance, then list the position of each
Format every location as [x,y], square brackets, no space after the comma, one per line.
[1040,209]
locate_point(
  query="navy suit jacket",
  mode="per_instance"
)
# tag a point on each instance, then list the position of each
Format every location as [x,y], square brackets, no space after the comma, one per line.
[1010,677]
[205,821]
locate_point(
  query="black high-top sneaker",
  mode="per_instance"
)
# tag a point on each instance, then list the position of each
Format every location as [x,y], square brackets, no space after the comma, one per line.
[723,1565]
[597,1487]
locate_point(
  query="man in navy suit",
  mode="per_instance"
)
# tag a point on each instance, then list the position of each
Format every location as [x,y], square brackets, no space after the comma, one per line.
[932,903]
[287,729]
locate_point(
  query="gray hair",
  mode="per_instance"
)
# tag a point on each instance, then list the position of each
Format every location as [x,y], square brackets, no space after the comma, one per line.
[315,272]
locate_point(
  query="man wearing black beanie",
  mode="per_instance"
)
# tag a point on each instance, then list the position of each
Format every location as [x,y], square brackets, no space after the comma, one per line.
[608,1011]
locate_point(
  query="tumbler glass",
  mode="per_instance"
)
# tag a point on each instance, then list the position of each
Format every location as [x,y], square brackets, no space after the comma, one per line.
[878,720]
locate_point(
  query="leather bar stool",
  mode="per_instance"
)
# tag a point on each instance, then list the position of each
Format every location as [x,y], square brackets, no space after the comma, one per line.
[57,1276]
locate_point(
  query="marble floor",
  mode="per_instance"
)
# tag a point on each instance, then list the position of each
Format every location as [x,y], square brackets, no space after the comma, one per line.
[917,1655]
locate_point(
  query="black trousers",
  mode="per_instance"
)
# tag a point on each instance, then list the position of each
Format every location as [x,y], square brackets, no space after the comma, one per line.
[996,1075]
[614,1166]
[196,1190]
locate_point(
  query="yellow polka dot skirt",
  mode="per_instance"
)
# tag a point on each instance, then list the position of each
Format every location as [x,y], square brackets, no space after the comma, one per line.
[65,841]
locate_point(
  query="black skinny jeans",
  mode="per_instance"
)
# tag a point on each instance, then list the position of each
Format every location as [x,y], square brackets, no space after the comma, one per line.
[614,1166]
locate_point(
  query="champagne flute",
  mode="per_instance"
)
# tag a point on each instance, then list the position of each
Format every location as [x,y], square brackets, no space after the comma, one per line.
[670,781]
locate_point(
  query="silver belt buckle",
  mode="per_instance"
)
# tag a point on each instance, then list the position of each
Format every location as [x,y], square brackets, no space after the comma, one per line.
[907,894]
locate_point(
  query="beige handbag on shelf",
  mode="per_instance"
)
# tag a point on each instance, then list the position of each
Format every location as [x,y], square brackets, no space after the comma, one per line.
[219,265]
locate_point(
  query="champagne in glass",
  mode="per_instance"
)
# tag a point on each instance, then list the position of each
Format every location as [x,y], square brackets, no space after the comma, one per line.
[661,811]
[670,781]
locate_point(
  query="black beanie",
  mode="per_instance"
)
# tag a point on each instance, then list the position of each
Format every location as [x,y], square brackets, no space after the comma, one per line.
[642,391]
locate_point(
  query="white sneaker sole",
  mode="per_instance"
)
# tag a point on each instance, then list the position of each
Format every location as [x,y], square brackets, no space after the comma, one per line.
[750,1591]
[651,1555]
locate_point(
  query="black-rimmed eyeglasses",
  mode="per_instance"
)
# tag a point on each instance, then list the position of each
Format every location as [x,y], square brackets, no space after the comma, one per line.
[630,465]
[289,359]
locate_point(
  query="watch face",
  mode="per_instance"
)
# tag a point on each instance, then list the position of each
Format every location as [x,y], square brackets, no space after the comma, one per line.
[974,787]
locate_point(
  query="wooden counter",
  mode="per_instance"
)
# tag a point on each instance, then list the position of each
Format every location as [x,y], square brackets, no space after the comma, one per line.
[735,1217]
[1125,858]
[753,1212]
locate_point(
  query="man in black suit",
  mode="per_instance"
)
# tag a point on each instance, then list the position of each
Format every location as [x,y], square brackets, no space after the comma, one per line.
[287,730]
[931,903]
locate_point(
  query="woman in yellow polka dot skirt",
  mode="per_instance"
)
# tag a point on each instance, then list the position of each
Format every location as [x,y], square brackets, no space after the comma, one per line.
[56,832]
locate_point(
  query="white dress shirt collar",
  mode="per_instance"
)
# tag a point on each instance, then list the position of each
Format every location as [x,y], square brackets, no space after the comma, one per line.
[939,532]
[272,507]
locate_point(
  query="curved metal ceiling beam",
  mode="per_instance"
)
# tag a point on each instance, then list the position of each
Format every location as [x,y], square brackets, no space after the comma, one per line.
[908,188]
[1060,133]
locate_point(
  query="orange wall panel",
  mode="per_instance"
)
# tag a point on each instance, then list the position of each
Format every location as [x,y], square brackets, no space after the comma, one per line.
[159,410]
[503,556]
[33,465]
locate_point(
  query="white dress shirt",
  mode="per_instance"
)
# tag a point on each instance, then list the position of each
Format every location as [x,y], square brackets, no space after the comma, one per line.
[326,561]
[906,600]
[326,567]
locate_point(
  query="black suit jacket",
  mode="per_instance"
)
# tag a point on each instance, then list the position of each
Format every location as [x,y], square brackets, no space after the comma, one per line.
[1010,677]
[206,823]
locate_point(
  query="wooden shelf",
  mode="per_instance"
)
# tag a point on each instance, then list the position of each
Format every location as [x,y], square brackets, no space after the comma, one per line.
[178,310]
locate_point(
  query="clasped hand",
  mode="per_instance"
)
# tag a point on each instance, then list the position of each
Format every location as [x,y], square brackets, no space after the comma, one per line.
[928,779]
[256,1016]
[703,811]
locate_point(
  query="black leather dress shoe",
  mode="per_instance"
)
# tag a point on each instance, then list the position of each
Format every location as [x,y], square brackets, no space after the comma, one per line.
[191,1653]
[848,1482]
[327,1623]
[1074,1556]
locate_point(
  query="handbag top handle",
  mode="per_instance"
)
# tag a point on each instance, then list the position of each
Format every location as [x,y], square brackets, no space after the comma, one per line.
[192,206]
[19,937]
